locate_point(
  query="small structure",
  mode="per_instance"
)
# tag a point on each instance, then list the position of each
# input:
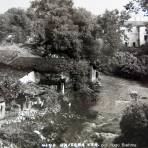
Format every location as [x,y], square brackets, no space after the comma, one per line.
[32,77]
[2,108]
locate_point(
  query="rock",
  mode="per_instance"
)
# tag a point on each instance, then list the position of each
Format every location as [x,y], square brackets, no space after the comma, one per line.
[106,135]
[90,125]
[133,94]
[113,119]
[102,125]
[100,117]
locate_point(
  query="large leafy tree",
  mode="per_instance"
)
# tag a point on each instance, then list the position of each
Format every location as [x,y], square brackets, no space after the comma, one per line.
[15,21]
[111,23]
[134,126]
[61,29]
[53,27]
[89,31]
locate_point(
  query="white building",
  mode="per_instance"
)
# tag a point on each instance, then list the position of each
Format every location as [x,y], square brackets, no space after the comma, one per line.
[139,32]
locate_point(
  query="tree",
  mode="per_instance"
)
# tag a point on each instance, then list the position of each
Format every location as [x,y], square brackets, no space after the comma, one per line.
[134,126]
[15,22]
[111,23]
[61,29]
[88,33]
[137,5]
[54,29]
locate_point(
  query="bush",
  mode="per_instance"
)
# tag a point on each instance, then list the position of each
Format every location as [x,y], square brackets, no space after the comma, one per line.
[128,65]
[134,126]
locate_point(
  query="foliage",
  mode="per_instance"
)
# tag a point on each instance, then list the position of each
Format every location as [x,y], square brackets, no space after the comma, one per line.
[13,93]
[27,139]
[111,23]
[137,5]
[134,126]
[79,74]
[15,22]
[89,31]
[129,65]
[54,28]
[82,100]
[112,32]
[63,30]
[54,132]
[9,90]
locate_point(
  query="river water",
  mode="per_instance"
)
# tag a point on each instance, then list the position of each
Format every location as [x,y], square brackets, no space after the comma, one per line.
[115,89]
[113,98]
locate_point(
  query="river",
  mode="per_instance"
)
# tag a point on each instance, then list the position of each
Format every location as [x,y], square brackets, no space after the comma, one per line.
[114,89]
[109,112]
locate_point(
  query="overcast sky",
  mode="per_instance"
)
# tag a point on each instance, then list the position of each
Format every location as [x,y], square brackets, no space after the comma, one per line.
[95,6]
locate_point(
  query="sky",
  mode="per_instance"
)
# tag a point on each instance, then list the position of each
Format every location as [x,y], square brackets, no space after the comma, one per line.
[95,6]
[99,6]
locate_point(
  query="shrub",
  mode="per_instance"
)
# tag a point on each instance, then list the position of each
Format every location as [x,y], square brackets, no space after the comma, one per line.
[128,65]
[134,126]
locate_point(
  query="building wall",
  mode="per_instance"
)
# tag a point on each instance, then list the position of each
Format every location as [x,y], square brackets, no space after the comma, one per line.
[142,34]
[2,110]
[133,36]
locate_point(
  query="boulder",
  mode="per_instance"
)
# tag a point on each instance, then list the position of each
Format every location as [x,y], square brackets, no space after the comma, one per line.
[106,135]
[134,94]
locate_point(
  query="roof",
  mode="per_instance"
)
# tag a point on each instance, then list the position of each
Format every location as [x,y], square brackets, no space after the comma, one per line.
[136,23]
[8,54]
[21,59]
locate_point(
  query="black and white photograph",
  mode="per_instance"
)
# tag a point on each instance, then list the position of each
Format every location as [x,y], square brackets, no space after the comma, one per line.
[73,73]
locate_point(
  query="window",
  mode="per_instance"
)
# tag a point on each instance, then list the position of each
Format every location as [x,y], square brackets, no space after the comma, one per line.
[126,44]
[145,37]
